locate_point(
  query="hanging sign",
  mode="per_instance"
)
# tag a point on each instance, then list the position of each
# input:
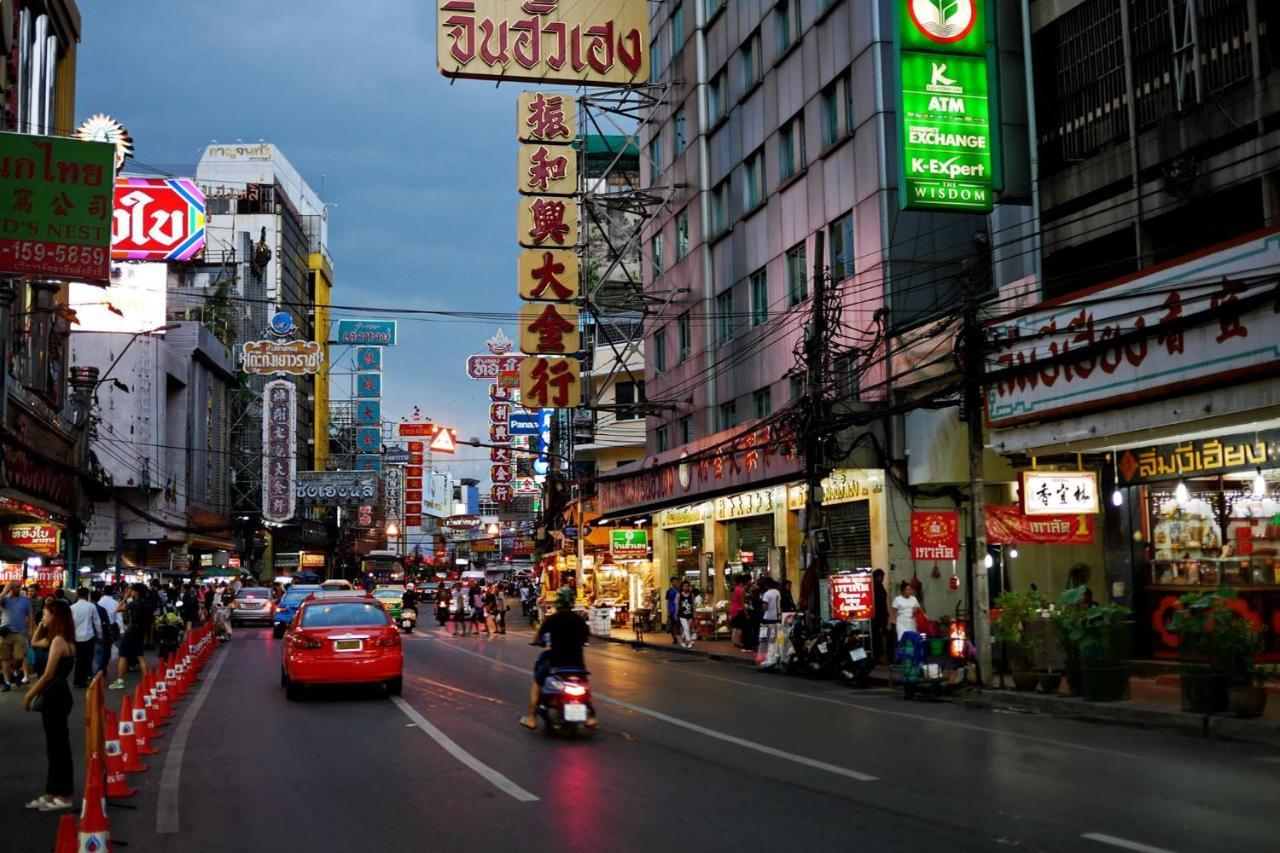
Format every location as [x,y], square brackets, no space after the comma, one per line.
[421,430]
[546,117]
[546,170]
[57,207]
[935,535]
[627,544]
[368,413]
[334,488]
[490,367]
[367,462]
[1007,525]
[368,439]
[852,596]
[544,222]
[551,383]
[376,332]
[395,456]
[502,493]
[1198,457]
[1060,492]
[368,358]
[548,276]
[549,328]
[295,358]
[279,449]
[369,386]
[157,219]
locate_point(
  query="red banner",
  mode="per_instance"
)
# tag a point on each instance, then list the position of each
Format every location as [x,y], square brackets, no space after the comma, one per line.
[41,538]
[1007,525]
[935,535]
[852,596]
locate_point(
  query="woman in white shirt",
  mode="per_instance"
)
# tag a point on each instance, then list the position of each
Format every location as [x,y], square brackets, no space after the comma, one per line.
[904,608]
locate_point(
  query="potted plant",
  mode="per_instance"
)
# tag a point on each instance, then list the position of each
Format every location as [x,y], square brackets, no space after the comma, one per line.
[1013,626]
[1069,624]
[1217,647]
[1250,700]
[1103,651]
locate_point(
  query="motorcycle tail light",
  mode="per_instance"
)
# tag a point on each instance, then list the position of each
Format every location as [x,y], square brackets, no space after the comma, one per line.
[575,690]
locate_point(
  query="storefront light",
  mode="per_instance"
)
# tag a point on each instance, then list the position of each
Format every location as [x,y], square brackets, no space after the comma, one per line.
[1013,554]
[1117,498]
[1182,494]
[1259,485]
[988,561]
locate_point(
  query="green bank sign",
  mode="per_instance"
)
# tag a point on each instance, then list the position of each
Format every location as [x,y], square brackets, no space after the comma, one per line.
[944,106]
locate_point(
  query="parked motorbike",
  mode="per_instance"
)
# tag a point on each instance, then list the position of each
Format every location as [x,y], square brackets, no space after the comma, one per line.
[408,618]
[855,661]
[822,649]
[564,701]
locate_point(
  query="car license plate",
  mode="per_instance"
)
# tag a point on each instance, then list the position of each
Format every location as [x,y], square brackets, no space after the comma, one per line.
[822,647]
[575,713]
[347,645]
[858,654]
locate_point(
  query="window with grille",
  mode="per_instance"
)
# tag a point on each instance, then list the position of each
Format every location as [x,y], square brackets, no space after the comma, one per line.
[849,525]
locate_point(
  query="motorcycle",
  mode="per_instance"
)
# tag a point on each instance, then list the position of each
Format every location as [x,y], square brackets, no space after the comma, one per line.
[819,654]
[564,701]
[408,618]
[442,612]
[855,662]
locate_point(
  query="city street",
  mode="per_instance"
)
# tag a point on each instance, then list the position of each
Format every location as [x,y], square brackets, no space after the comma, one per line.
[689,752]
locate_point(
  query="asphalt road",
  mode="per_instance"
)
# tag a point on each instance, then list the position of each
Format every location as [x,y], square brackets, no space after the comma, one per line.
[691,754]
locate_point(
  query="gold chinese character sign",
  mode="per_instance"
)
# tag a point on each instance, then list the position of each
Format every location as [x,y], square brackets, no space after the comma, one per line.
[551,383]
[548,328]
[547,222]
[591,42]
[547,117]
[549,276]
[543,169]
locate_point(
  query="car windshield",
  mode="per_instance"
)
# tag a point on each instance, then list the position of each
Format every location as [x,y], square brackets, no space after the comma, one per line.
[389,594]
[254,592]
[292,598]
[342,613]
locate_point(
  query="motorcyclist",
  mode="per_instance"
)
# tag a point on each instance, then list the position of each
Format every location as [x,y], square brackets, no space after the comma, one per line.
[409,600]
[568,633]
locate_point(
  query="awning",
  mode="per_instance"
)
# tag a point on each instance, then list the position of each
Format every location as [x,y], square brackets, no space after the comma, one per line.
[17,554]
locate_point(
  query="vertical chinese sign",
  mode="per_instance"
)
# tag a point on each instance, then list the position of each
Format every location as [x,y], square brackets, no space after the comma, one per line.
[279,449]
[946,146]
[368,406]
[56,195]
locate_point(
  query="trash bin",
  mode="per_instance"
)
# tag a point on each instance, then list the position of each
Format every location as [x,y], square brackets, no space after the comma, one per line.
[601,621]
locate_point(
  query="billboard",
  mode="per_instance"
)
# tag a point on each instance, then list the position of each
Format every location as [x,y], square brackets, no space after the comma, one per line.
[334,488]
[157,219]
[295,358]
[134,303]
[587,42]
[279,449]
[57,207]
[380,333]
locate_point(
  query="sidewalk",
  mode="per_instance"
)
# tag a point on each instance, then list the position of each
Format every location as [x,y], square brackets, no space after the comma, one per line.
[1156,701]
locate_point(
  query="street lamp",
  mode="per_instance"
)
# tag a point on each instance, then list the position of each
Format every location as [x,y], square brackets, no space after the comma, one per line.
[393,529]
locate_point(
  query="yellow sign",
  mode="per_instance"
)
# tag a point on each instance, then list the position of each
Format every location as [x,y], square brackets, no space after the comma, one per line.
[682,516]
[746,504]
[549,329]
[547,117]
[851,484]
[543,222]
[592,42]
[547,169]
[549,276]
[551,383]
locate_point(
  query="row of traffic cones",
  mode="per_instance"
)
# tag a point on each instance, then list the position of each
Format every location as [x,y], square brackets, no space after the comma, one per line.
[127,738]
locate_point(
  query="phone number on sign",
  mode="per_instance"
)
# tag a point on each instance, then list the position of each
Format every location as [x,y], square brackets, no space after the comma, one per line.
[35,256]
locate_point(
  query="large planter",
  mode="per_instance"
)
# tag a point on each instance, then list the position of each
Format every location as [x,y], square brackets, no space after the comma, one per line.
[1075,677]
[1049,683]
[1204,692]
[1025,679]
[1104,683]
[1247,702]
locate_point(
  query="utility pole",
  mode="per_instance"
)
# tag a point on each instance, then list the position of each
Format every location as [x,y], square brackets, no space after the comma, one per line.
[815,378]
[976,588]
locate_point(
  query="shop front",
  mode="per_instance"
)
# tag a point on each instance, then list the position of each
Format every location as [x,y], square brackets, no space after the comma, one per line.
[30,550]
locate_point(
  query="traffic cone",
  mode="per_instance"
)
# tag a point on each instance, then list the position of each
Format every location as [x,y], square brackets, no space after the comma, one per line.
[68,838]
[143,724]
[94,833]
[117,786]
[163,708]
[128,739]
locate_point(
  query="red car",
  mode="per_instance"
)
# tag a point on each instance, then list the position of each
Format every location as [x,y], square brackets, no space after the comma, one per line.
[344,639]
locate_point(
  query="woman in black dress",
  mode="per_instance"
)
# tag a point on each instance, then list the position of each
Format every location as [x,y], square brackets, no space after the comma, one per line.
[55,705]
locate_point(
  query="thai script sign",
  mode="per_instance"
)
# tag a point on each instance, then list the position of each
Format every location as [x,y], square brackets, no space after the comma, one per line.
[853,596]
[935,535]
[488,367]
[376,332]
[292,357]
[55,207]
[41,538]
[1007,525]
[461,522]
[157,219]
[1199,457]
[627,544]
[395,456]
[944,110]
[1060,492]
[591,42]
[334,488]
[279,449]
[850,484]
[1181,327]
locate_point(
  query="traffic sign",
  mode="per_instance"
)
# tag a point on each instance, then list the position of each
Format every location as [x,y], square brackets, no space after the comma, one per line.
[445,441]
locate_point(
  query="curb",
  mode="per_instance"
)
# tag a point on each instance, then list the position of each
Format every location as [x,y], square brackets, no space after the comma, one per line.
[1266,731]
[675,649]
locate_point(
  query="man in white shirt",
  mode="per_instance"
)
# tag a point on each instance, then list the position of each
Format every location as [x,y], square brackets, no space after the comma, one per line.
[108,603]
[88,629]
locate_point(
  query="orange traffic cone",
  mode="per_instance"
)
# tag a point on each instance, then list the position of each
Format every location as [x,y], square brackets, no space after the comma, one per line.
[94,833]
[128,739]
[68,839]
[143,723]
[117,786]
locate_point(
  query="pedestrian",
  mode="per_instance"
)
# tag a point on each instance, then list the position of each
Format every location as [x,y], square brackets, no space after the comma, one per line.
[881,642]
[673,624]
[788,599]
[491,611]
[751,631]
[209,594]
[905,606]
[462,613]
[87,628]
[443,597]
[131,641]
[51,696]
[105,640]
[503,606]
[191,606]
[737,604]
[477,608]
[685,608]
[15,630]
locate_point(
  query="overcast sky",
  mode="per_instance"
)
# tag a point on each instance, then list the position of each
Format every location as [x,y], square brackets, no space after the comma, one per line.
[421,173]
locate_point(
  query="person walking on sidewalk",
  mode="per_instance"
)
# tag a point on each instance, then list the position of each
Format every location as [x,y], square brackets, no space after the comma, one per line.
[88,627]
[135,616]
[685,608]
[15,628]
[55,706]
[737,604]
[673,623]
[107,639]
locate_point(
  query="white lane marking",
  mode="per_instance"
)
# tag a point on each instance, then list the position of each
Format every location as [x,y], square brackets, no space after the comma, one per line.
[167,801]
[1123,843]
[702,730]
[904,714]
[502,783]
